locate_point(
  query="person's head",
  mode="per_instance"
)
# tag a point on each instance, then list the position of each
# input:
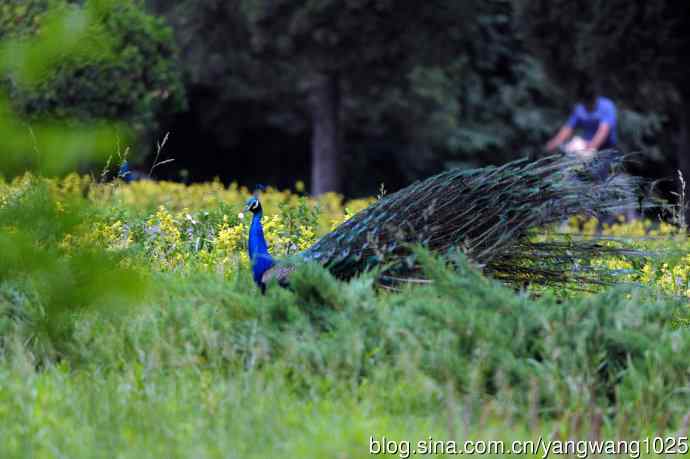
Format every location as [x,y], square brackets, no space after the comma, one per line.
[586,93]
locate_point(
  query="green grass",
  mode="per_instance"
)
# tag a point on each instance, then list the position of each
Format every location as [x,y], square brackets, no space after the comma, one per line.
[207,367]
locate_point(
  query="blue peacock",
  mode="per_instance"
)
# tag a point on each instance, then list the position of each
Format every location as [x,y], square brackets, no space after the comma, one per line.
[488,213]
[261,260]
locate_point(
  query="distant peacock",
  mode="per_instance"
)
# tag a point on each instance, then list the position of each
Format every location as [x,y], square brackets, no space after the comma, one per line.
[261,260]
[490,214]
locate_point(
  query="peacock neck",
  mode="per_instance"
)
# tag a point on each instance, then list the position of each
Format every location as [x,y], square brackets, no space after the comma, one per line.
[256,218]
[257,241]
[259,257]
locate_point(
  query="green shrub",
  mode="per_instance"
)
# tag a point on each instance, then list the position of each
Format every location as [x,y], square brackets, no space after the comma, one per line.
[617,351]
[136,81]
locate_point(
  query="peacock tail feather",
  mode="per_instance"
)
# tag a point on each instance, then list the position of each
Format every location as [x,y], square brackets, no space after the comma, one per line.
[486,213]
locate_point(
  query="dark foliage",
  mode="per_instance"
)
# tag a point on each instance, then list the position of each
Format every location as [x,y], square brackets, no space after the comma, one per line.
[633,50]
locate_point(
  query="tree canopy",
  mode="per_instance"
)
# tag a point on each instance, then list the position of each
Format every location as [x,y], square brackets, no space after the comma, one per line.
[415,95]
[328,91]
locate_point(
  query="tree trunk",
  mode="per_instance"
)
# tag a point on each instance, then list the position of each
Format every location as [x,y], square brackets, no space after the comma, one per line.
[323,98]
[683,154]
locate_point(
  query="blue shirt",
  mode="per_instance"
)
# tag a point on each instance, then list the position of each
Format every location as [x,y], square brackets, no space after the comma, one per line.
[588,122]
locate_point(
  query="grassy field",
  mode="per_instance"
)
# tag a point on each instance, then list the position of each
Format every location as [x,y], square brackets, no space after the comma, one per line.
[130,328]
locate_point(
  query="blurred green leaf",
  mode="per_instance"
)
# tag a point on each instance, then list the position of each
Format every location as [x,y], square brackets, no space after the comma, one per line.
[62,280]
[85,61]
[52,147]
[65,32]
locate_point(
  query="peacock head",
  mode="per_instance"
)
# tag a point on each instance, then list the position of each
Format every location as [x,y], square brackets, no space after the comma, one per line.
[253,203]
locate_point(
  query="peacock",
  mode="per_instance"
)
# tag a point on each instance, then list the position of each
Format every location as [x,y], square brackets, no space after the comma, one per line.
[261,259]
[490,214]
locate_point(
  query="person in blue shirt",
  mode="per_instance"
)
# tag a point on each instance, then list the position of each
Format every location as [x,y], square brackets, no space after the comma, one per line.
[594,117]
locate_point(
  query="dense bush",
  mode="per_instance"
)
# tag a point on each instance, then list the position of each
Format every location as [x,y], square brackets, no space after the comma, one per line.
[202,364]
[209,366]
[137,80]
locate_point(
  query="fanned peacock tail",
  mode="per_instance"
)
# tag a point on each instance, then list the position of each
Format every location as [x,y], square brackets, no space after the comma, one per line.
[488,214]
